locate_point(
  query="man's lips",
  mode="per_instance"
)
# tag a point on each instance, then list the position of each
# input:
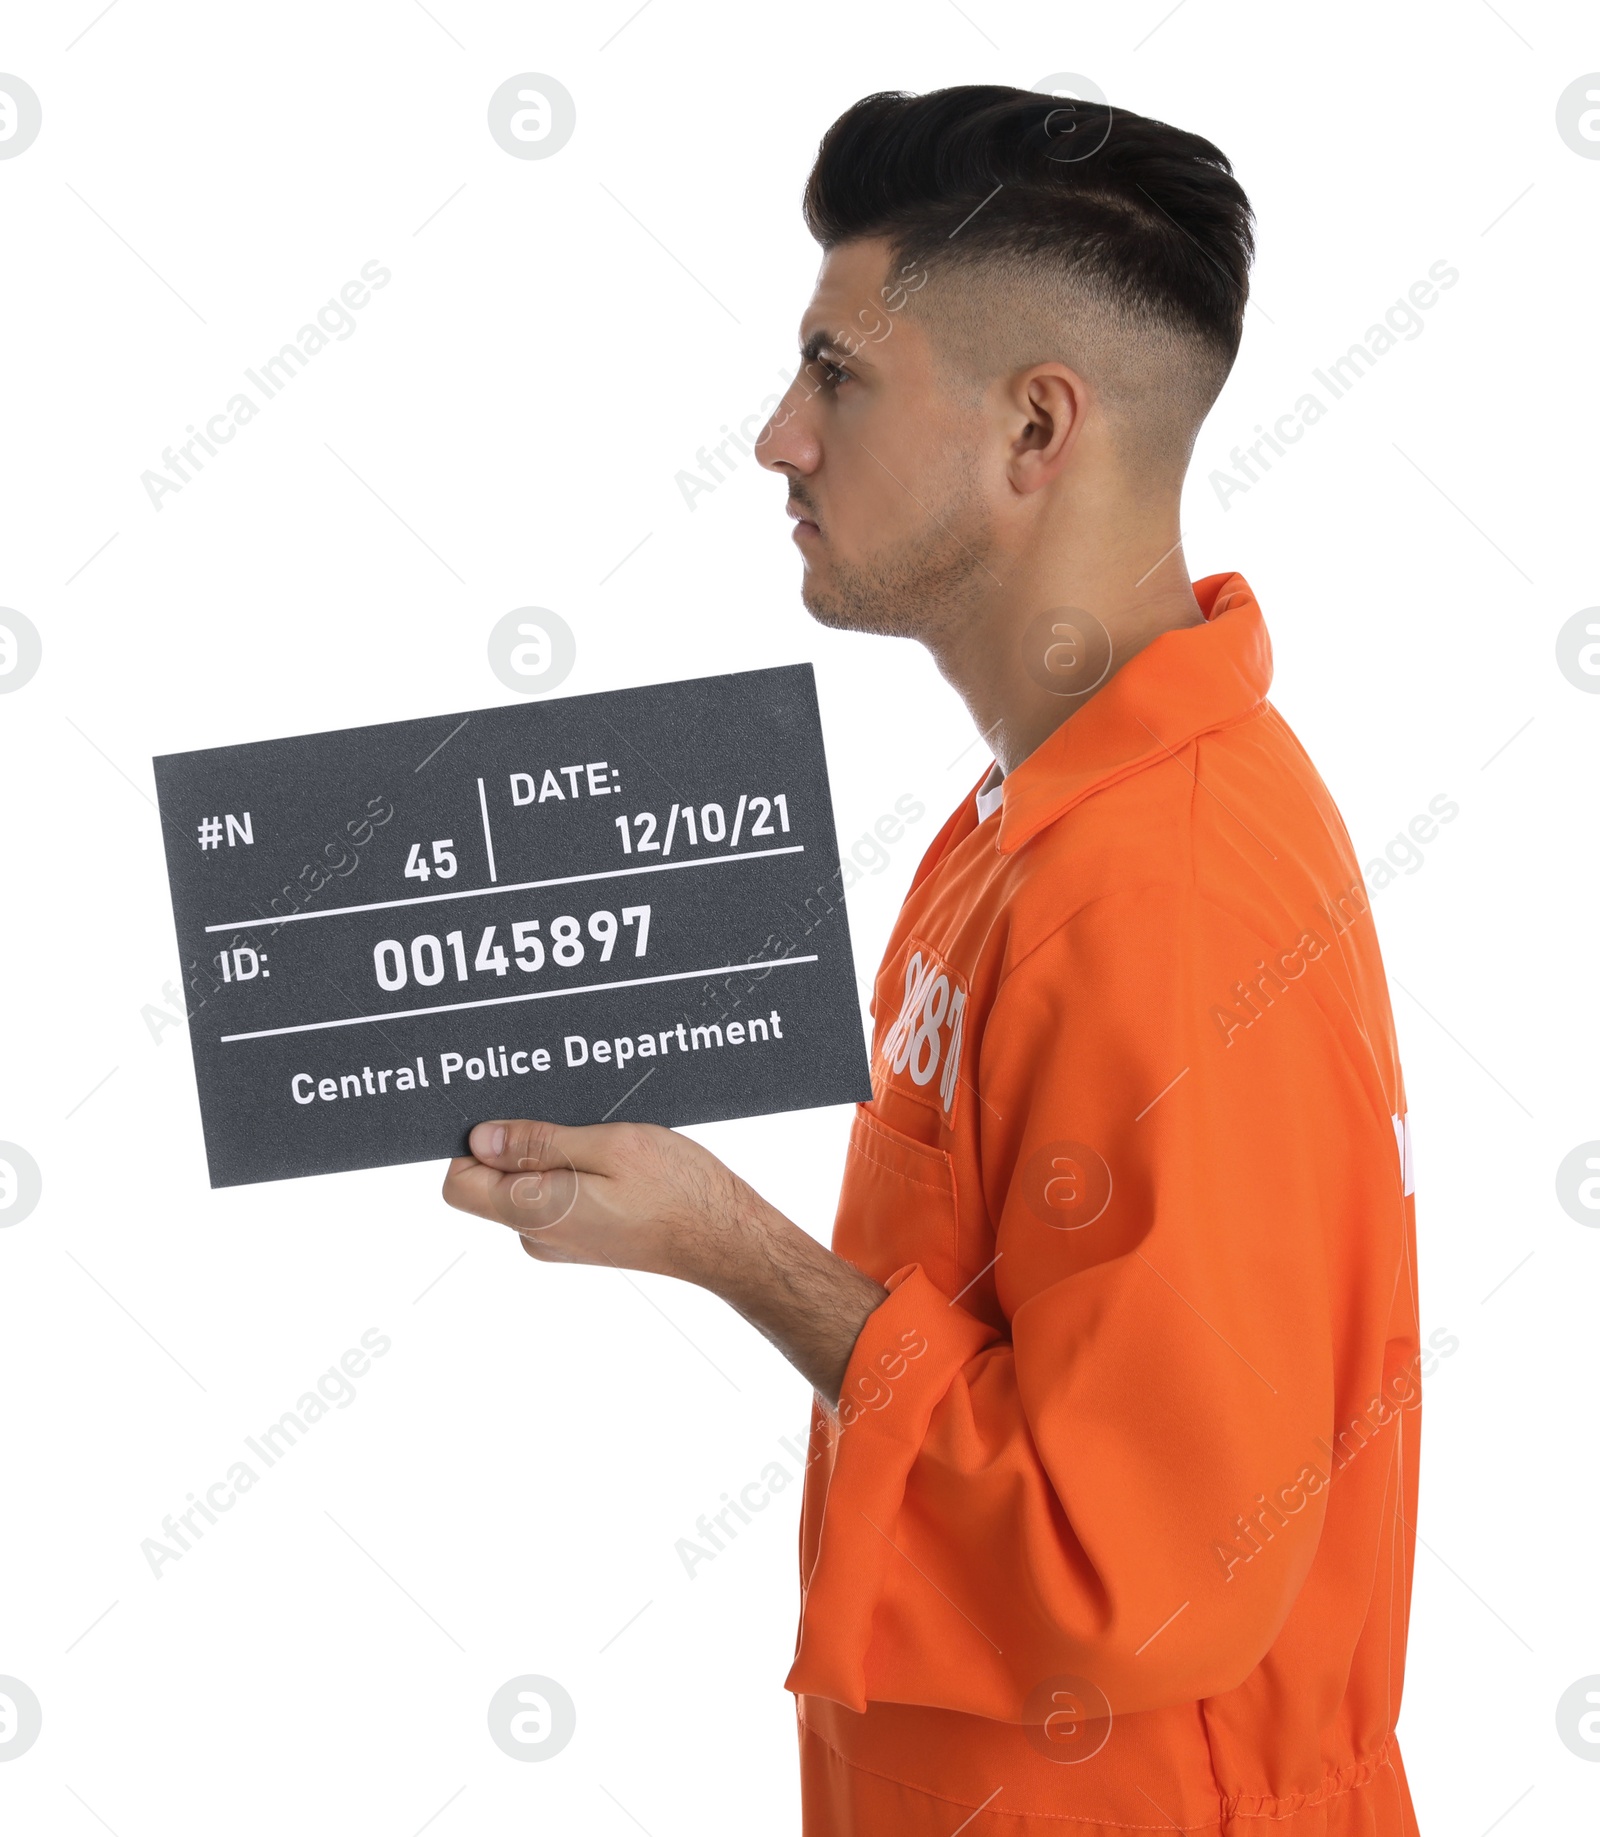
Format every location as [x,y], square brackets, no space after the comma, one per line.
[804,525]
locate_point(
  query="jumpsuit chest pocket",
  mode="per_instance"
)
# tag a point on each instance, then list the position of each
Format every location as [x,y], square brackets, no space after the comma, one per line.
[897,1205]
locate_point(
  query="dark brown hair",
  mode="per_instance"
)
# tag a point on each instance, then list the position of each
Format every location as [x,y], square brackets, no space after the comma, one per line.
[1144,217]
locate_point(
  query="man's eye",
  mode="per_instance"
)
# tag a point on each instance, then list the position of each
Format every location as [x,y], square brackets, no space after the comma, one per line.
[833,375]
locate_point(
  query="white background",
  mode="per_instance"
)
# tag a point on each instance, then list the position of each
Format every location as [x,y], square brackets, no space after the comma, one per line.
[558,339]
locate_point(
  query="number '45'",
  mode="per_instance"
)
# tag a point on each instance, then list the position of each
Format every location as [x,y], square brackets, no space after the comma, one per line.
[444,860]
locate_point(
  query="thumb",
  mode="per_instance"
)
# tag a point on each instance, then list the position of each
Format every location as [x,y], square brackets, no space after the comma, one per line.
[531,1147]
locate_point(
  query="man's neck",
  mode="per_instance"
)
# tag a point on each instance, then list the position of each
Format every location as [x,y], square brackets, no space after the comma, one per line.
[1133,585]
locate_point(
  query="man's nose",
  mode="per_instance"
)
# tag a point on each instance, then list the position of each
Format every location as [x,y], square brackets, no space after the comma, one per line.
[787,444]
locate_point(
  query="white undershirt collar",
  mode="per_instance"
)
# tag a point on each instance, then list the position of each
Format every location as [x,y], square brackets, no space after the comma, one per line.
[991,793]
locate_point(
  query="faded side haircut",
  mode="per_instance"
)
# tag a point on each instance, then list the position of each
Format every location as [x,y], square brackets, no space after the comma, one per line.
[1053,230]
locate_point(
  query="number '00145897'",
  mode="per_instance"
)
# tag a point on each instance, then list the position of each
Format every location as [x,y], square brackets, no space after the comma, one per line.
[429,958]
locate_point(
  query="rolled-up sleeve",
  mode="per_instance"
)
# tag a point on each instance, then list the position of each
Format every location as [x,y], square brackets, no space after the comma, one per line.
[1192,1184]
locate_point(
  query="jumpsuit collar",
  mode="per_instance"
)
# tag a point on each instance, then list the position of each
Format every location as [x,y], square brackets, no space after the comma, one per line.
[1182,684]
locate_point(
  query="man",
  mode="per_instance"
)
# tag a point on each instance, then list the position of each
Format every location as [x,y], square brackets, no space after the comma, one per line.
[1108,1521]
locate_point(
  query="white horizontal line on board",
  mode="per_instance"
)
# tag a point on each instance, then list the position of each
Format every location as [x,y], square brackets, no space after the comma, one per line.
[521,886]
[500,1001]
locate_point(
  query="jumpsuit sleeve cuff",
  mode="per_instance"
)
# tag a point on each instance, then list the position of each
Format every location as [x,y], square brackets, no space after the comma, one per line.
[912,1347]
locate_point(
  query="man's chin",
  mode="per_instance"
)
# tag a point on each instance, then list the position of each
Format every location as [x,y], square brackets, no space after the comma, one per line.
[841,609]
[824,608]
[915,589]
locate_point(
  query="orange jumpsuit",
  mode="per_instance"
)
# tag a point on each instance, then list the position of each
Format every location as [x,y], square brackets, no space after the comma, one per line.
[1113,1530]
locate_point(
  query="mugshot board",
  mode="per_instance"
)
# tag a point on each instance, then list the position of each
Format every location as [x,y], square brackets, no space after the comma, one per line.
[619,906]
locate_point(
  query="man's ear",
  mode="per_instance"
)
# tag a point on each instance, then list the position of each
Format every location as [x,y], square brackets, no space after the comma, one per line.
[1046,411]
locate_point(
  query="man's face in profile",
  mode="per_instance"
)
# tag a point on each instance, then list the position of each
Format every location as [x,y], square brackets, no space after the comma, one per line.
[884,457]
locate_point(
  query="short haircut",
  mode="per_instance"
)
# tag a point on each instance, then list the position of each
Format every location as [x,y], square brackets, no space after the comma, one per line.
[1053,230]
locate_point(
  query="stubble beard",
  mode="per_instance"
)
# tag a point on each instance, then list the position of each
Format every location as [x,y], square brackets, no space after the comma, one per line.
[925,584]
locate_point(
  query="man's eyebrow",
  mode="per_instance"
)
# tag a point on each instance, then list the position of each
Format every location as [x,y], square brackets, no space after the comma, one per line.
[819,342]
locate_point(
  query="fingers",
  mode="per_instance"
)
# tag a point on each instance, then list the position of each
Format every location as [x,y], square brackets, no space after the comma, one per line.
[534,1201]
[524,1174]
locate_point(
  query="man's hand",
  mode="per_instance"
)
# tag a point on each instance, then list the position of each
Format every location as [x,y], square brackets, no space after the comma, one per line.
[627,1194]
[641,1197]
